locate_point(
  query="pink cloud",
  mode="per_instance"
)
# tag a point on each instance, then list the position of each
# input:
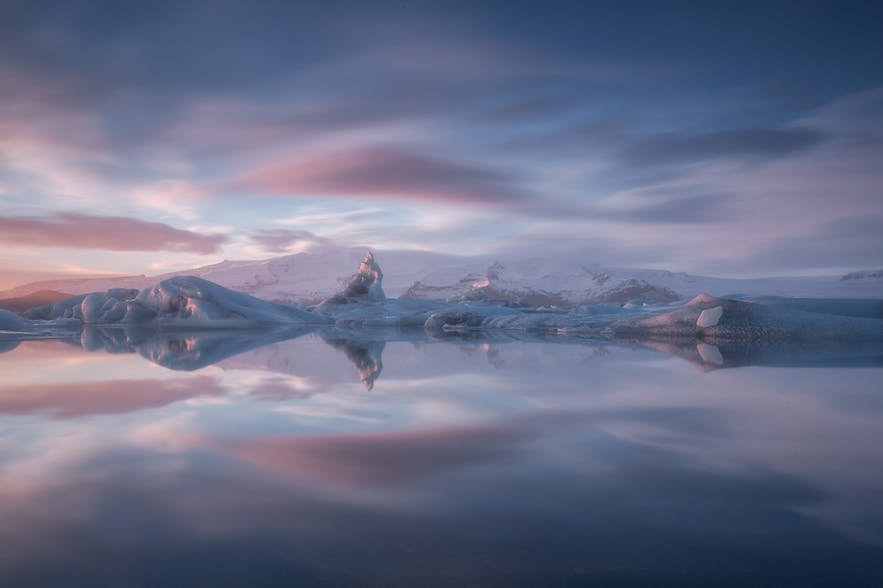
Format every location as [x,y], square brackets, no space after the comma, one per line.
[384,172]
[114,233]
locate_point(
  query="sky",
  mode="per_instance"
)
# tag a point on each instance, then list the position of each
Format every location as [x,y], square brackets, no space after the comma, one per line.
[724,138]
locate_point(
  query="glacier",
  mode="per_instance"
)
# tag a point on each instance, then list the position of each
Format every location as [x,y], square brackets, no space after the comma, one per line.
[519,297]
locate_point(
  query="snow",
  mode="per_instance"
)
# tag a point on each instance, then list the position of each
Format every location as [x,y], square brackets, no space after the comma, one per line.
[307,277]
[537,282]
[315,275]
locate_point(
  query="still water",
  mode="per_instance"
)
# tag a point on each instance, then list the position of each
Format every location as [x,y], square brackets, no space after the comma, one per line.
[323,459]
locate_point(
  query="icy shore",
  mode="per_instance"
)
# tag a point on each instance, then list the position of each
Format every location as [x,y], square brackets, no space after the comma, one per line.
[192,302]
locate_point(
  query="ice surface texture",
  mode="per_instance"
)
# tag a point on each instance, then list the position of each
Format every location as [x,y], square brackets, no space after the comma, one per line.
[501,302]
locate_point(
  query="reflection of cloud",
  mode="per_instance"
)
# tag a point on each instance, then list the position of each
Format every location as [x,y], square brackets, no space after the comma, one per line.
[86,231]
[638,461]
[380,458]
[76,399]
[278,388]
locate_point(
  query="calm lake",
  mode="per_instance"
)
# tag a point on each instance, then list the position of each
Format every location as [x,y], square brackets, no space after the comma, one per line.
[328,459]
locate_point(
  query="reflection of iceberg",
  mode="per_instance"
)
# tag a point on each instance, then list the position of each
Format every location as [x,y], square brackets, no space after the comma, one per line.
[189,350]
[730,354]
[8,344]
[183,350]
[365,355]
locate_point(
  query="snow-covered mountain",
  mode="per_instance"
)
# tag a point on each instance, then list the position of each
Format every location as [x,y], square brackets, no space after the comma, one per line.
[308,277]
[314,276]
[543,282]
[535,283]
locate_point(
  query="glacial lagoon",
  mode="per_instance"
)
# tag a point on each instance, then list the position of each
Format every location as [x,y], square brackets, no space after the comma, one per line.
[335,458]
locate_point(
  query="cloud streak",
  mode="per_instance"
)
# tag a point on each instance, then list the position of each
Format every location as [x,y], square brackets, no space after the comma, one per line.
[689,147]
[283,240]
[112,233]
[385,173]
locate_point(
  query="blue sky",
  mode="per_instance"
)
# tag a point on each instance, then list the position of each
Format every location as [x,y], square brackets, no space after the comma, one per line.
[724,138]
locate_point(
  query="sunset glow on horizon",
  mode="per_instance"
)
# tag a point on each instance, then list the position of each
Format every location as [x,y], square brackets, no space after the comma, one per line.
[700,137]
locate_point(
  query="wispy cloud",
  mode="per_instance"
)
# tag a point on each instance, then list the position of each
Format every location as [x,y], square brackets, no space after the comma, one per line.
[113,233]
[691,147]
[285,240]
[384,173]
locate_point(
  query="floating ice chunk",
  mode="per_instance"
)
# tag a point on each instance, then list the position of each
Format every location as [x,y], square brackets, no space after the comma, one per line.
[9,321]
[182,299]
[710,317]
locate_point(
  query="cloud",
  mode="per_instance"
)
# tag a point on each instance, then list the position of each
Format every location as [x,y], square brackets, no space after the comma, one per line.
[683,147]
[852,242]
[113,233]
[663,205]
[383,172]
[284,240]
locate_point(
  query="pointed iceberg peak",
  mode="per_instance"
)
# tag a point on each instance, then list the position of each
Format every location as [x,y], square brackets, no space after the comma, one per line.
[367,283]
[365,286]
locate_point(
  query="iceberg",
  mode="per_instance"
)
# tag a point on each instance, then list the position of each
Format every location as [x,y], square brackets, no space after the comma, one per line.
[365,286]
[182,300]
[623,309]
[13,325]
[710,318]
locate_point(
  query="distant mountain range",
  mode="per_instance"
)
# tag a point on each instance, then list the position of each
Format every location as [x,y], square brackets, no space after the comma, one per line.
[311,277]
[38,298]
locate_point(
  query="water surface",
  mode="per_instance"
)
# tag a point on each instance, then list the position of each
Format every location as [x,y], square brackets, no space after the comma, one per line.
[302,459]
